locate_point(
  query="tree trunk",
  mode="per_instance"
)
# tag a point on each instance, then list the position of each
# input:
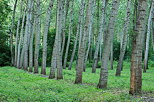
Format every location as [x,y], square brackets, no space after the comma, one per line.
[77,37]
[80,60]
[17,34]
[69,34]
[99,36]
[11,33]
[136,59]
[20,41]
[45,34]
[37,36]
[148,38]
[124,40]
[65,12]
[89,32]
[59,40]
[27,34]
[107,44]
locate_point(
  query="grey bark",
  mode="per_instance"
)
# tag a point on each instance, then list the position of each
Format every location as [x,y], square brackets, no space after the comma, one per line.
[102,22]
[90,25]
[11,33]
[45,34]
[37,36]
[77,37]
[107,44]
[20,41]
[17,34]
[27,34]
[70,33]
[124,40]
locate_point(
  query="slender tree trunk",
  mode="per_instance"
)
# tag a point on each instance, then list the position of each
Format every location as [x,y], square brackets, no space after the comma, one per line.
[65,13]
[27,34]
[124,41]
[77,37]
[20,41]
[107,44]
[69,34]
[45,34]
[59,40]
[37,36]
[148,38]
[136,59]
[102,22]
[81,52]
[17,34]
[11,34]
[89,32]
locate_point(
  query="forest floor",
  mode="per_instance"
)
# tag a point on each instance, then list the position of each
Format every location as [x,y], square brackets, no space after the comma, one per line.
[20,86]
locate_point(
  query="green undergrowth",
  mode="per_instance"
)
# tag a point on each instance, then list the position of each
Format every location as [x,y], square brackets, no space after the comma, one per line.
[18,85]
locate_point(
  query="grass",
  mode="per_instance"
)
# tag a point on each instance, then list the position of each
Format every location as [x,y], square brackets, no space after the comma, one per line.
[18,85]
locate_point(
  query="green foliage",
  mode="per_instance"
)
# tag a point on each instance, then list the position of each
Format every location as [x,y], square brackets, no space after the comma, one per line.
[4,47]
[18,85]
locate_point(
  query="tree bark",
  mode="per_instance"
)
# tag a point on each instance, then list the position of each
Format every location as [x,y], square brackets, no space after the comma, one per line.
[69,34]
[17,34]
[124,41]
[136,59]
[58,44]
[45,34]
[20,41]
[102,22]
[107,44]
[11,33]
[37,36]
[27,34]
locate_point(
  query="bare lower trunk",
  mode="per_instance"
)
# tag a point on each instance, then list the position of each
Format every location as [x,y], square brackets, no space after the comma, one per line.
[69,35]
[124,40]
[100,35]
[37,36]
[136,59]
[20,42]
[11,33]
[107,44]
[58,44]
[80,60]
[89,32]
[46,28]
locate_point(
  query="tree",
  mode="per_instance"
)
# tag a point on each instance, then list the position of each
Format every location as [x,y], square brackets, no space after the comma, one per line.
[46,29]
[148,37]
[136,59]
[70,33]
[37,35]
[107,44]
[100,35]
[11,33]
[124,40]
